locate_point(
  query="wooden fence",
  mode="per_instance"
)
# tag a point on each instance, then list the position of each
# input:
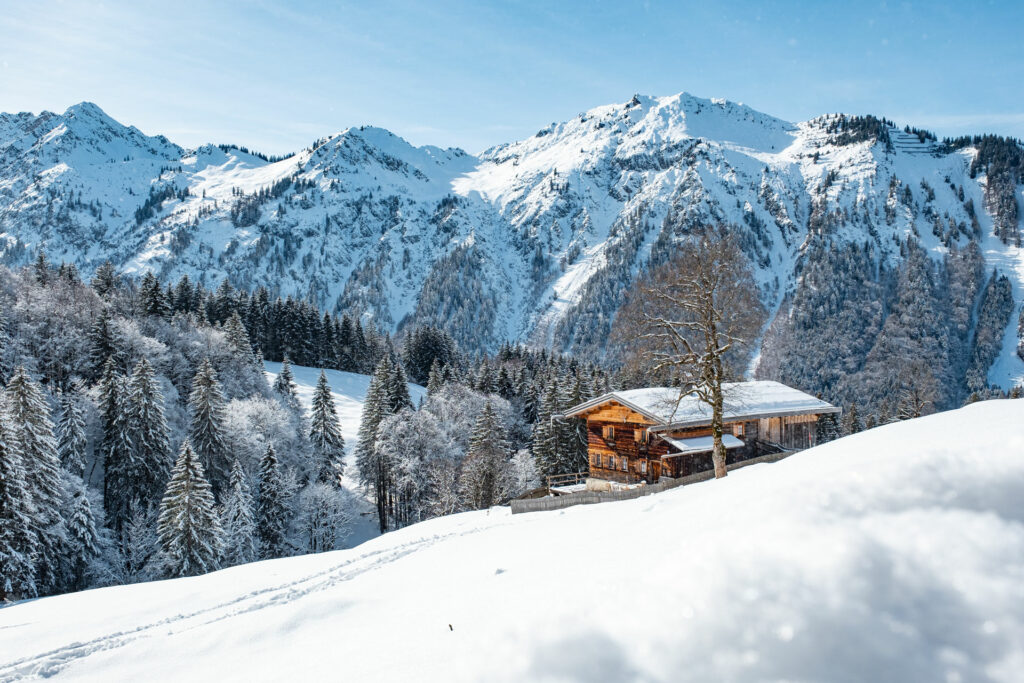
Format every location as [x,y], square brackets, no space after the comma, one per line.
[591,497]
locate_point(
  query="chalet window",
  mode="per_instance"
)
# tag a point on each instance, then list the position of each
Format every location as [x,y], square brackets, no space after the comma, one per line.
[641,436]
[643,467]
[611,462]
[609,433]
[595,460]
[625,464]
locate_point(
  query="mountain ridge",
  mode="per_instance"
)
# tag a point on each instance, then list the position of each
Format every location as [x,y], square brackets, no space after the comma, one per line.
[533,240]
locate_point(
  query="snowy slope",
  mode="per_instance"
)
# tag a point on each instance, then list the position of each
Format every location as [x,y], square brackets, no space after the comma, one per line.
[349,392]
[892,555]
[531,240]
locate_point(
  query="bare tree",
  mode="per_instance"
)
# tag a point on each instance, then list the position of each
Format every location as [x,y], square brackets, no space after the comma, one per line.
[918,390]
[692,321]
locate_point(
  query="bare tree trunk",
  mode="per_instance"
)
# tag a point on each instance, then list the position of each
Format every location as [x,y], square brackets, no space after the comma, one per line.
[718,450]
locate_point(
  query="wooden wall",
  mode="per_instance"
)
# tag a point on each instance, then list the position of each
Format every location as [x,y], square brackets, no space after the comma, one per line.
[792,432]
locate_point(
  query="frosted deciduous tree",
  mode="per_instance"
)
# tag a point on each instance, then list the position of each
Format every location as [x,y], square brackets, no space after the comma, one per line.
[692,317]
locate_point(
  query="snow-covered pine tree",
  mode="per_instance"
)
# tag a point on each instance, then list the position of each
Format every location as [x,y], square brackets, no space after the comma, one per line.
[188,527]
[206,429]
[851,421]
[486,478]
[83,544]
[32,430]
[18,537]
[152,297]
[71,439]
[398,387]
[826,429]
[271,510]
[325,435]
[375,409]
[102,344]
[284,384]
[105,280]
[238,520]
[238,338]
[546,431]
[149,436]
[435,379]
[116,446]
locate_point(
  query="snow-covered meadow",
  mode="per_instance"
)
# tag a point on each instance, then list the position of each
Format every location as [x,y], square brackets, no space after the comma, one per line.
[896,554]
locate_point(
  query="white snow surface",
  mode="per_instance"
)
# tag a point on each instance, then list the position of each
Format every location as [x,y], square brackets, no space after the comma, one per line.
[349,392]
[893,555]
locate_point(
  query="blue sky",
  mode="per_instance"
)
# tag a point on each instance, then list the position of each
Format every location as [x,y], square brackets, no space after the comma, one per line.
[276,76]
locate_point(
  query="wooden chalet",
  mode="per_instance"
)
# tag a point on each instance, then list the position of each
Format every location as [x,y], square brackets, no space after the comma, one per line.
[645,434]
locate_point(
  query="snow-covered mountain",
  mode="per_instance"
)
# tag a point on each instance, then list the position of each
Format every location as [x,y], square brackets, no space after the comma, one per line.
[895,554]
[534,240]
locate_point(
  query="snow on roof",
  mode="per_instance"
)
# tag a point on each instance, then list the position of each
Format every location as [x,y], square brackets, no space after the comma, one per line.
[743,400]
[700,444]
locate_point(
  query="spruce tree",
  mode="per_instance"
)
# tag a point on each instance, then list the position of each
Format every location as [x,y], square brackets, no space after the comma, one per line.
[826,429]
[101,343]
[71,439]
[18,538]
[83,539]
[284,384]
[485,474]
[116,446]
[436,378]
[238,520]
[105,279]
[188,528]
[206,429]
[238,338]
[152,297]
[149,433]
[325,434]
[33,432]
[398,387]
[851,421]
[271,510]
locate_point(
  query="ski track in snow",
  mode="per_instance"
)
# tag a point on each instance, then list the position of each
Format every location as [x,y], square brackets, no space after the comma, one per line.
[47,664]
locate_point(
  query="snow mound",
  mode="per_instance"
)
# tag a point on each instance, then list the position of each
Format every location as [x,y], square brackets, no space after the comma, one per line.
[893,555]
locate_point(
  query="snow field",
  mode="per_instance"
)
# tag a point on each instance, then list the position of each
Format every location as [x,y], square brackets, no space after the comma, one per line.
[892,555]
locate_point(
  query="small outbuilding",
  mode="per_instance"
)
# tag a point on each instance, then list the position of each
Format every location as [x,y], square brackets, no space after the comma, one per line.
[646,434]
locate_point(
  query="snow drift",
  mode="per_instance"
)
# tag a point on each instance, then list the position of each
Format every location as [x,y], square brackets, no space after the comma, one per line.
[895,554]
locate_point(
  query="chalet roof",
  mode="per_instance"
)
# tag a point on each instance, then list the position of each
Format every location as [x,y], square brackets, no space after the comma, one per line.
[699,444]
[743,401]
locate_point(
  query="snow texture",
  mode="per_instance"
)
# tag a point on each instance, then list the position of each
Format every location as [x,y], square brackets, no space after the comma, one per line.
[896,554]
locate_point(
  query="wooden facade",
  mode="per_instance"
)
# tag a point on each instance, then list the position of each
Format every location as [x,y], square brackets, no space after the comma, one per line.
[625,446]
